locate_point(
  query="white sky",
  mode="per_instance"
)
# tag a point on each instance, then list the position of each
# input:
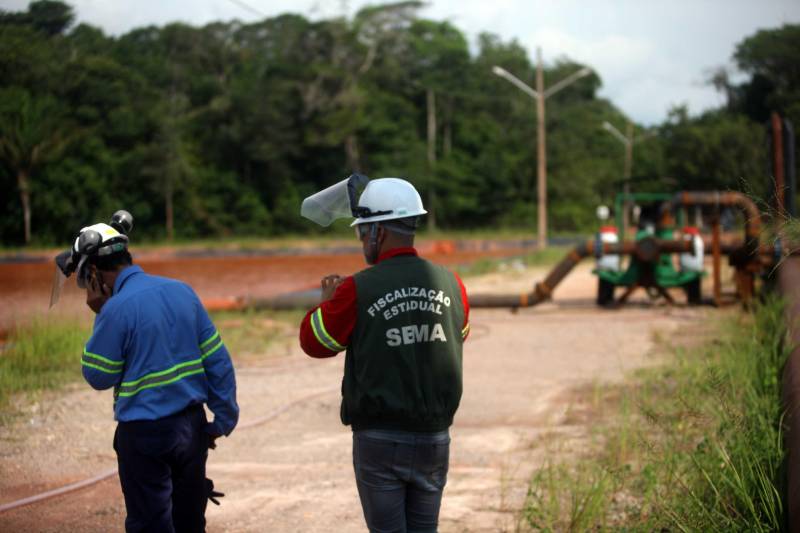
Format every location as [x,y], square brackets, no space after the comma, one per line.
[650,54]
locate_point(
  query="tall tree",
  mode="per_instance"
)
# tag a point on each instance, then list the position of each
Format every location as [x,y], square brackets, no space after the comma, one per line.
[50,16]
[31,134]
[715,151]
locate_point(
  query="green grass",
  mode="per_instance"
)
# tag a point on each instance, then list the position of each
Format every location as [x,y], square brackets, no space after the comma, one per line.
[45,353]
[42,354]
[339,235]
[695,445]
[251,335]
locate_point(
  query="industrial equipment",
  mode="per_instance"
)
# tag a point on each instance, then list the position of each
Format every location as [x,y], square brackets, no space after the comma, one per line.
[654,272]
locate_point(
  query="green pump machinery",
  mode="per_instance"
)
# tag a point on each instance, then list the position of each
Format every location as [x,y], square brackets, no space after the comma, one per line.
[654,273]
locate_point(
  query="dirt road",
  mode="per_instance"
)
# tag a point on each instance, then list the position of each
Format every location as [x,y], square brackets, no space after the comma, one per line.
[294,472]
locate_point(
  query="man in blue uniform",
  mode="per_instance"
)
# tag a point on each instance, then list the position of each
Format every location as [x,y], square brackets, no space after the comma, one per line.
[154,343]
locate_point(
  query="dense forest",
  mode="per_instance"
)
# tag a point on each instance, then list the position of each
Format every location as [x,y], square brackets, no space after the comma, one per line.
[222,130]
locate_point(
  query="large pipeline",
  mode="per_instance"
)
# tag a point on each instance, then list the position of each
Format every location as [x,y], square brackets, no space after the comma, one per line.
[746,256]
[646,250]
[752,216]
[746,259]
[789,283]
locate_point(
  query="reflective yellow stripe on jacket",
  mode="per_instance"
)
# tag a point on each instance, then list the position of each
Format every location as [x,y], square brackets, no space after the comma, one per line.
[324,338]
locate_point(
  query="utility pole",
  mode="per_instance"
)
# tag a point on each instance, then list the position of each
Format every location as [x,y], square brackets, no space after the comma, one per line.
[628,141]
[627,177]
[541,167]
[540,95]
[628,154]
[431,101]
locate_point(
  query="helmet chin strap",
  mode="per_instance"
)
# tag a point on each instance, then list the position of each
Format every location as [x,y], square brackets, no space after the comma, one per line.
[372,249]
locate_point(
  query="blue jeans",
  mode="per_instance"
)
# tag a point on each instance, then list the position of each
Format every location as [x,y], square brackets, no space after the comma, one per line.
[400,477]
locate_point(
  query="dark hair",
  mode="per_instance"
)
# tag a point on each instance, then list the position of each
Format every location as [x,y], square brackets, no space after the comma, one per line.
[112,262]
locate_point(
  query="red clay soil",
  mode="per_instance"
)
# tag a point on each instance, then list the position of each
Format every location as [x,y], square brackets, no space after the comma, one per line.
[25,287]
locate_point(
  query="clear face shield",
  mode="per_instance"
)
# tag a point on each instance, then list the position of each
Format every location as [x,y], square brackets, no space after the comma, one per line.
[67,263]
[58,284]
[337,201]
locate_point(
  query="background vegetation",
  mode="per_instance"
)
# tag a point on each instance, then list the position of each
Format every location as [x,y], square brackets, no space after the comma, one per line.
[41,355]
[222,130]
[693,445]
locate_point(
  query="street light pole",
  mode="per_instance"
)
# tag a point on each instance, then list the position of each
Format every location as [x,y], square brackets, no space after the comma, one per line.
[627,140]
[541,168]
[540,95]
[628,153]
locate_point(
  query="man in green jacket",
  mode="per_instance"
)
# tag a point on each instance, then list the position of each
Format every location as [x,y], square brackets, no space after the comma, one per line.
[402,322]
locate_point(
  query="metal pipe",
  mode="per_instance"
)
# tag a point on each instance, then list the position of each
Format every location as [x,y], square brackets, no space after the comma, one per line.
[778,164]
[791,169]
[752,222]
[716,255]
[789,283]
[646,250]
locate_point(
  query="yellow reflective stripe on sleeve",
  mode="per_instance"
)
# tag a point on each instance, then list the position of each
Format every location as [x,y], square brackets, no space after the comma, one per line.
[324,338]
[211,350]
[101,358]
[168,371]
[465,331]
[164,377]
[167,380]
[100,368]
[103,364]
[209,340]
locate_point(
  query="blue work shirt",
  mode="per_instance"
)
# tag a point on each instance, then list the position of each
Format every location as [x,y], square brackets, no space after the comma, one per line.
[155,344]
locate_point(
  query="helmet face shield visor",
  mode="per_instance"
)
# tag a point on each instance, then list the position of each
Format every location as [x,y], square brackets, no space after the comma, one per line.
[58,283]
[67,263]
[337,201]
[65,266]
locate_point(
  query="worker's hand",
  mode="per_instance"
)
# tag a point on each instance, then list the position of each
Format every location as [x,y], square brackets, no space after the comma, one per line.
[96,294]
[329,284]
[212,441]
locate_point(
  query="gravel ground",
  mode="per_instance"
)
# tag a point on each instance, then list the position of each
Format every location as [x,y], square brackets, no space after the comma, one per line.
[294,471]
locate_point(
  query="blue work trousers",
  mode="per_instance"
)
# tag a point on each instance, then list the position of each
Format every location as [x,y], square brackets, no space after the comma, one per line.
[162,470]
[400,477]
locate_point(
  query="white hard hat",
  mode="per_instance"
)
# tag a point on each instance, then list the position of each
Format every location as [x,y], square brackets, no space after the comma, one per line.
[107,241]
[389,199]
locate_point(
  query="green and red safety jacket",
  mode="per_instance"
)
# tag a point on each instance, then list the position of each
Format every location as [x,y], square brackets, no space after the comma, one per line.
[403,322]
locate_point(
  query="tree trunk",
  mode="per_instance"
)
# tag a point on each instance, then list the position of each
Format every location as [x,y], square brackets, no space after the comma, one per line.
[351,152]
[23,182]
[447,141]
[173,153]
[431,99]
[168,207]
